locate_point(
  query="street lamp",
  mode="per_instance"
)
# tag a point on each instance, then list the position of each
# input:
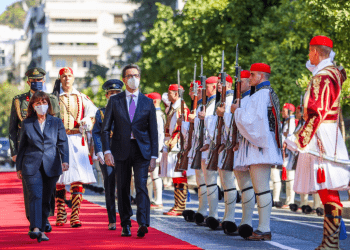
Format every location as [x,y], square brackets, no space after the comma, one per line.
[95,85]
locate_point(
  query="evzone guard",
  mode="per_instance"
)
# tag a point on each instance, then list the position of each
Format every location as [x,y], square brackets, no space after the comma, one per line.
[227,177]
[260,148]
[323,159]
[154,182]
[78,116]
[171,149]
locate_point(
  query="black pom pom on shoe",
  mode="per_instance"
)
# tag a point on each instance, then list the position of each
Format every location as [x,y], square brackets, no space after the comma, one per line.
[245,231]
[293,207]
[188,215]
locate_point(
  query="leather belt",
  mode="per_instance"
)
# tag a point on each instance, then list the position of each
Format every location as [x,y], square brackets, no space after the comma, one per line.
[72,131]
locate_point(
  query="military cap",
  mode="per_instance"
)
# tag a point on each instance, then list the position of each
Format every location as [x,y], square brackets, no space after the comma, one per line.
[113,84]
[35,73]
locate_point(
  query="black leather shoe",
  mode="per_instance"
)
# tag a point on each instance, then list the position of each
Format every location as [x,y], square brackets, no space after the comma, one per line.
[35,235]
[142,231]
[48,227]
[126,231]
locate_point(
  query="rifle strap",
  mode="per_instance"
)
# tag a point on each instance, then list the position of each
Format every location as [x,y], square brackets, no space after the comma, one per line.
[231,189]
[246,189]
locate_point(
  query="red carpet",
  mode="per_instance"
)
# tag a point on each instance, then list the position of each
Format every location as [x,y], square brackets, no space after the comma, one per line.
[92,235]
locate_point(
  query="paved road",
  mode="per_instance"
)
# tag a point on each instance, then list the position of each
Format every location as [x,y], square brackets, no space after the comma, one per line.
[289,230]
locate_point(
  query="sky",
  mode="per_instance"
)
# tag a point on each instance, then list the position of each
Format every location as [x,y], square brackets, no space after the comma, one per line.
[5,3]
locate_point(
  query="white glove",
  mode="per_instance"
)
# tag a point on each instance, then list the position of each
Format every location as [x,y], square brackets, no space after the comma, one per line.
[100,158]
[87,123]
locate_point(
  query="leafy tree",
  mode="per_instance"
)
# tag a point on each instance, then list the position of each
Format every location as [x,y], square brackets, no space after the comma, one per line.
[7,92]
[14,16]
[141,21]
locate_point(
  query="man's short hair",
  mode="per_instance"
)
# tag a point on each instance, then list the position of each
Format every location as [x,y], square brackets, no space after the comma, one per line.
[130,66]
[323,50]
[266,76]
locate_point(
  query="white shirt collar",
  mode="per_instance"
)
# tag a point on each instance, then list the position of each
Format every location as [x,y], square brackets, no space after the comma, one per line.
[324,63]
[74,91]
[177,103]
[136,93]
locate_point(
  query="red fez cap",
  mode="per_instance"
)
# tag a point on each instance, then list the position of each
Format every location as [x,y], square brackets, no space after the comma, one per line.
[65,70]
[245,74]
[322,40]
[198,84]
[212,79]
[174,87]
[228,78]
[289,106]
[154,96]
[261,67]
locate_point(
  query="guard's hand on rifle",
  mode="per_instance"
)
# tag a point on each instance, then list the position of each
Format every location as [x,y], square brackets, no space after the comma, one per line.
[201,115]
[65,166]
[191,118]
[205,148]
[284,146]
[285,134]
[179,121]
[109,159]
[235,106]
[235,148]
[220,111]
[221,148]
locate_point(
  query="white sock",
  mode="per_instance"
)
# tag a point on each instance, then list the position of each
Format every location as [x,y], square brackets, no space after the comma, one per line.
[289,187]
[202,193]
[230,194]
[212,190]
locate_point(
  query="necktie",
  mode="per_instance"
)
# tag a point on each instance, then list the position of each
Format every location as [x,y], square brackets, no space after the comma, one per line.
[132,107]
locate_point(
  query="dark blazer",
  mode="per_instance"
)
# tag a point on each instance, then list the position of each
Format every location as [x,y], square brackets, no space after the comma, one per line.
[143,127]
[47,148]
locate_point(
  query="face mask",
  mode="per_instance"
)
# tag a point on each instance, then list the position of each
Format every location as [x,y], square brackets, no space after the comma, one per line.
[36,86]
[133,83]
[41,109]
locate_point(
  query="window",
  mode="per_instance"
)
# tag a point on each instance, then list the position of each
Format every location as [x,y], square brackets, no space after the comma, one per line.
[2,52]
[118,18]
[87,64]
[2,61]
[60,63]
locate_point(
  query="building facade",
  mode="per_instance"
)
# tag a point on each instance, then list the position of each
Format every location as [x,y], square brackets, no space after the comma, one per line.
[76,34]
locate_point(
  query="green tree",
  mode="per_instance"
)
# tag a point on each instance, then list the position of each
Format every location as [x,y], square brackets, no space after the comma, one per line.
[14,16]
[141,21]
[7,92]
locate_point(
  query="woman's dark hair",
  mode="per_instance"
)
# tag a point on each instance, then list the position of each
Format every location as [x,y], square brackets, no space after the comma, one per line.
[38,96]
[130,66]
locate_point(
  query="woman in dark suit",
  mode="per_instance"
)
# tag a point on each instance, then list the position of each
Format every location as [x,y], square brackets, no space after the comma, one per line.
[42,156]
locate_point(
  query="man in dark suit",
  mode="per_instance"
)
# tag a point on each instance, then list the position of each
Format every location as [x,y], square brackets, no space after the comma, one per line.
[134,144]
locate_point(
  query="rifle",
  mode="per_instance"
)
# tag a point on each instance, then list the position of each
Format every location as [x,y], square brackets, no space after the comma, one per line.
[197,160]
[214,156]
[229,154]
[184,158]
[181,95]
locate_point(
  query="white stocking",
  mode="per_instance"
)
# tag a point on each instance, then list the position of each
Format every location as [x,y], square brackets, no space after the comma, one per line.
[230,194]
[276,182]
[248,197]
[317,200]
[304,199]
[202,193]
[150,187]
[289,187]
[157,186]
[212,190]
[260,175]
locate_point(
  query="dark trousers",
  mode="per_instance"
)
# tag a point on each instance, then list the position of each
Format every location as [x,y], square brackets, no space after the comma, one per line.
[40,188]
[26,199]
[108,173]
[123,171]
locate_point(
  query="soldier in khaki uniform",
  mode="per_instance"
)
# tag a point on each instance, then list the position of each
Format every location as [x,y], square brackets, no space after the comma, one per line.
[19,113]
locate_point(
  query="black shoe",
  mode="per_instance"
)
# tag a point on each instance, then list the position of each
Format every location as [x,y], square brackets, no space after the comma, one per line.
[112,227]
[126,231]
[44,238]
[48,227]
[142,231]
[35,235]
